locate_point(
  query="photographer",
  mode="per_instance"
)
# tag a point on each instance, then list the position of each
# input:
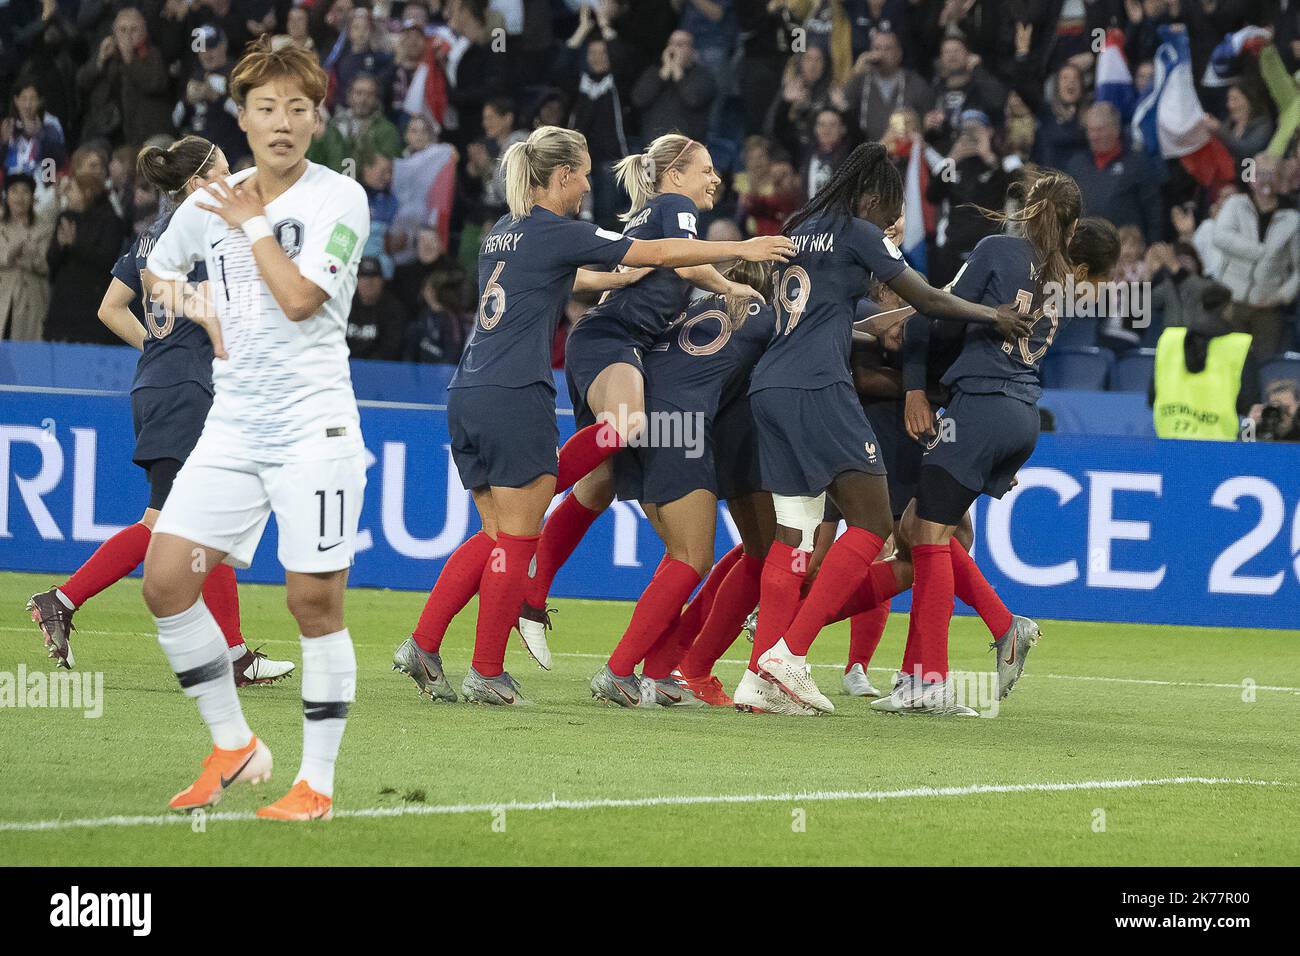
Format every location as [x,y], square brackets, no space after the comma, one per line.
[206,108]
[1278,419]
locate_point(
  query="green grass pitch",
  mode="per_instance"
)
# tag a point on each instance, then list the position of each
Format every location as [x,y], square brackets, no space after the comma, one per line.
[1123,744]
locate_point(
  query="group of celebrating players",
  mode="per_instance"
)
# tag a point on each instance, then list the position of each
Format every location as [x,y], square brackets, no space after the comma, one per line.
[817,403]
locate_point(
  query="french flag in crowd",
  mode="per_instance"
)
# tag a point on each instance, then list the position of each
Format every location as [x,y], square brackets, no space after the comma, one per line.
[914,207]
[424,184]
[1114,81]
[1167,122]
[427,93]
[1225,64]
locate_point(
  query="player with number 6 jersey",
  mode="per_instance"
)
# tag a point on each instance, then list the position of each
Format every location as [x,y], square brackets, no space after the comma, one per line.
[501,407]
[282,242]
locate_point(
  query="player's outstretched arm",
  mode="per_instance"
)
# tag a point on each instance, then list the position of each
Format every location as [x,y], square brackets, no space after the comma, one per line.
[115,313]
[672,253]
[240,208]
[938,304]
[590,280]
[710,279]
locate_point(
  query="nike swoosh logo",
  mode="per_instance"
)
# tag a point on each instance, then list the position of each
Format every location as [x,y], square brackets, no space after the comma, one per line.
[321,547]
[1012,658]
[227,781]
[219,241]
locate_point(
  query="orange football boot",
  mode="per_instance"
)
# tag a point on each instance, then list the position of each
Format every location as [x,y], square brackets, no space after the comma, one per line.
[221,768]
[708,689]
[300,803]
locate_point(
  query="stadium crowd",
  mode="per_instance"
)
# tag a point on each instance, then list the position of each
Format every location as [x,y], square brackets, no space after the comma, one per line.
[426,95]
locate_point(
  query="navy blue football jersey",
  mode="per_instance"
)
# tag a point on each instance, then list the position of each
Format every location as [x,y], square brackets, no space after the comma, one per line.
[816,296]
[525,275]
[1001,269]
[175,349]
[700,363]
[646,307]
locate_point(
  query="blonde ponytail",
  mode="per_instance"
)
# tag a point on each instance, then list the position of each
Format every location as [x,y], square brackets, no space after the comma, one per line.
[528,165]
[641,173]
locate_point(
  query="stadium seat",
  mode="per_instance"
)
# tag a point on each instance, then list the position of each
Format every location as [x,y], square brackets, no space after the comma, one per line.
[1133,371]
[1077,368]
[1080,333]
[1280,367]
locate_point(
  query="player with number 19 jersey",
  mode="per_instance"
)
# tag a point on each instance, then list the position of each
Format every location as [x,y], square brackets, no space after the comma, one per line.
[501,406]
[810,424]
[283,434]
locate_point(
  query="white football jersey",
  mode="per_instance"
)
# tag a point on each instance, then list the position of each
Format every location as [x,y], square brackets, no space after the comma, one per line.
[285,392]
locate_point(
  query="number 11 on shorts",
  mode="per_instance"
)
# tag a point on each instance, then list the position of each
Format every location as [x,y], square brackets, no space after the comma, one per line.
[323,496]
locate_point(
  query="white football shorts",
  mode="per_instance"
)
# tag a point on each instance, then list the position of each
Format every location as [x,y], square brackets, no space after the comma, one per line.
[224,504]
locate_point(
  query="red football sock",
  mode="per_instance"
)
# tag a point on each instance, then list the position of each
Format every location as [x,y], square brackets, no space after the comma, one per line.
[677,640]
[221,595]
[560,535]
[880,585]
[865,631]
[112,561]
[970,586]
[778,600]
[932,600]
[658,608]
[457,583]
[846,565]
[584,451]
[500,591]
[735,599]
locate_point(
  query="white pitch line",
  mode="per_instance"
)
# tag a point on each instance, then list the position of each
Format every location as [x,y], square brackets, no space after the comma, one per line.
[422,810]
[1150,682]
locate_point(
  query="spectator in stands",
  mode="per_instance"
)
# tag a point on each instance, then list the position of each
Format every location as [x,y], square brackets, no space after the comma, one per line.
[971,175]
[431,259]
[408,56]
[765,32]
[474,73]
[805,91]
[1060,134]
[1205,380]
[1019,128]
[88,238]
[1278,417]
[879,85]
[381,243]
[1120,332]
[1259,239]
[829,147]
[52,63]
[677,94]
[598,115]
[297,29]
[419,134]
[24,237]
[1117,183]
[766,208]
[29,136]
[121,181]
[206,108]
[1248,128]
[377,322]
[961,84]
[437,333]
[483,164]
[125,85]
[361,53]
[360,129]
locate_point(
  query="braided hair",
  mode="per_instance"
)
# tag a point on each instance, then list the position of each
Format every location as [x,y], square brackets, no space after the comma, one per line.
[867,171]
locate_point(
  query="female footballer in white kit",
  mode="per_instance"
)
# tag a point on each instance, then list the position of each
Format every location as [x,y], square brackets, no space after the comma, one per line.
[282,242]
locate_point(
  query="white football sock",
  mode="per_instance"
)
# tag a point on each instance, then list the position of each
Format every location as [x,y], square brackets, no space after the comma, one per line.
[196,651]
[236,652]
[329,681]
[781,649]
